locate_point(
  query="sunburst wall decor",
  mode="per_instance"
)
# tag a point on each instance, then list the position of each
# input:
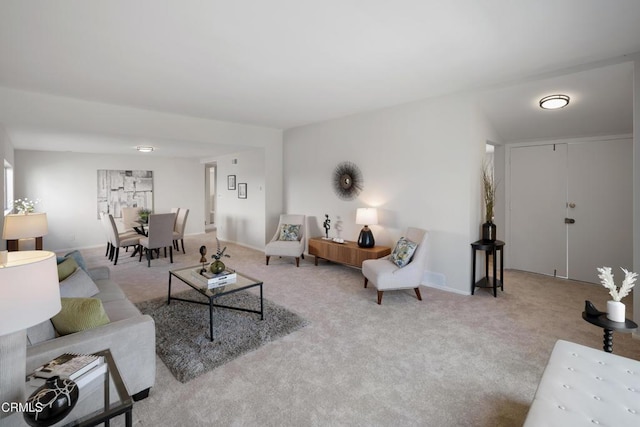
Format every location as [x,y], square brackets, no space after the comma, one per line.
[347,180]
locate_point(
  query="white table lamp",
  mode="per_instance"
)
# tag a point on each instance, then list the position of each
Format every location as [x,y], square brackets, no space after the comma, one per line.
[24,226]
[29,294]
[366,217]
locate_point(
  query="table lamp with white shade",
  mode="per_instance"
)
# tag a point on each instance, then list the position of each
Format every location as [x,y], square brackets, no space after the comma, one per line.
[24,226]
[29,294]
[366,217]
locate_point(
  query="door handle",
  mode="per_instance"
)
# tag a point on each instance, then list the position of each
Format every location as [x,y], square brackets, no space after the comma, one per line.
[569,221]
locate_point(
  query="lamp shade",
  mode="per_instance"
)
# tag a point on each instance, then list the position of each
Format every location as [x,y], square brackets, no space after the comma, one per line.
[367,216]
[25,226]
[29,290]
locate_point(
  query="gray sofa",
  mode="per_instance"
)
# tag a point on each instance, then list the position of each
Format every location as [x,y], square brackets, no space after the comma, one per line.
[129,335]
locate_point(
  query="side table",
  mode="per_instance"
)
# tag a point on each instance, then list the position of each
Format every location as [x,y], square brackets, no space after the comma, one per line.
[609,327]
[101,400]
[491,248]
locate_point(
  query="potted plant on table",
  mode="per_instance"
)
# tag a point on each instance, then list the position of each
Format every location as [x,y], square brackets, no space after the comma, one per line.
[615,308]
[25,206]
[218,266]
[489,197]
[144,213]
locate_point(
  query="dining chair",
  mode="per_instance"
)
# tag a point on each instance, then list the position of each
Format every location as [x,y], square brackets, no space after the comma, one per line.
[129,218]
[120,240]
[178,231]
[106,228]
[159,236]
[175,211]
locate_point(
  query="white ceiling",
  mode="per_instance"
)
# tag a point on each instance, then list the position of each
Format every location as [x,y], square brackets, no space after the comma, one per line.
[286,63]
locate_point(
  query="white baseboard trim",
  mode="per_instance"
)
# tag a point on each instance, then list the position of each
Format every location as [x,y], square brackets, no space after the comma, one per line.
[446,288]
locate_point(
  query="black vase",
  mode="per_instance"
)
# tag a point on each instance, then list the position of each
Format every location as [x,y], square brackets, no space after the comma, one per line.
[489,231]
[51,402]
[365,239]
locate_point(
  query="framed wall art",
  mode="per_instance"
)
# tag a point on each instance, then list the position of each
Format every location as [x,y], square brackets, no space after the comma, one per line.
[231,182]
[124,188]
[242,190]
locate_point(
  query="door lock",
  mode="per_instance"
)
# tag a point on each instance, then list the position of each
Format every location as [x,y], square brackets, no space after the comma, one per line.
[571,205]
[569,221]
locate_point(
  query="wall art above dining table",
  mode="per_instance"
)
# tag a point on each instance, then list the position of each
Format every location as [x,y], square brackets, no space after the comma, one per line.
[124,188]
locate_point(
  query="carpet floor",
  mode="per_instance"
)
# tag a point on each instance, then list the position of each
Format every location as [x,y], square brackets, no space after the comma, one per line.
[449,360]
[182,330]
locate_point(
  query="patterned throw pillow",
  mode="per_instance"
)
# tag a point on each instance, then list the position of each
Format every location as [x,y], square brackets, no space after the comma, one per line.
[289,232]
[403,252]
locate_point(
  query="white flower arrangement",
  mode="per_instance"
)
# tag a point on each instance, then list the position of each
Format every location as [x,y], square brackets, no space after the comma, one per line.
[606,278]
[25,205]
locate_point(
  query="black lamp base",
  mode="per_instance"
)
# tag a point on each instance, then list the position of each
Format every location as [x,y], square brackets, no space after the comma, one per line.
[365,239]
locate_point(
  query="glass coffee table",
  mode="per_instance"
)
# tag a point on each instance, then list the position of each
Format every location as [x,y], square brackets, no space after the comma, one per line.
[189,276]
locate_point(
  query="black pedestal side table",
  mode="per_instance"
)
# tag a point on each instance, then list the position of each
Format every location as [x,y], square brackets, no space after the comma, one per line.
[609,327]
[490,247]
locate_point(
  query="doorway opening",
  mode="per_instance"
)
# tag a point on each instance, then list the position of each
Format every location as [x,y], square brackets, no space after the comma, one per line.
[210,179]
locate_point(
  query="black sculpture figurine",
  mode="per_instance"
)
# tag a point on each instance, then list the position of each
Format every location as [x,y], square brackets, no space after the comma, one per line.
[591,309]
[326,225]
[203,258]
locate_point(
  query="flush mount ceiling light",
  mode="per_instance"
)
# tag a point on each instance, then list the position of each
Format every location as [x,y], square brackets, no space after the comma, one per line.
[553,102]
[144,149]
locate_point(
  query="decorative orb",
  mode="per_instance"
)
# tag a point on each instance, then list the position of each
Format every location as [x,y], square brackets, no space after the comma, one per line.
[217,267]
[51,402]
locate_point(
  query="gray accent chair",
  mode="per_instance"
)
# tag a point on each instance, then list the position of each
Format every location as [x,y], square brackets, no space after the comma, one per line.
[387,276]
[288,248]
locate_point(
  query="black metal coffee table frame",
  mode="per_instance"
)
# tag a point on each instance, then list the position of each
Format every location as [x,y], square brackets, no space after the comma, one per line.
[243,283]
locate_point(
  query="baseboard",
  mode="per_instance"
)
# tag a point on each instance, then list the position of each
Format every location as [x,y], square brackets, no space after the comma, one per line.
[446,288]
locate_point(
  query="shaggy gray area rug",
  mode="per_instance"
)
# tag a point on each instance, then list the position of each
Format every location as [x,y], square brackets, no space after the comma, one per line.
[182,330]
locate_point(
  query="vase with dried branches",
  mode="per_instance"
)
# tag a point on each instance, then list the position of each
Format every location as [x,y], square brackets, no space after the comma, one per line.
[615,307]
[489,198]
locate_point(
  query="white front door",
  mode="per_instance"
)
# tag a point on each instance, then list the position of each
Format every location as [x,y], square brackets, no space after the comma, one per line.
[601,203]
[588,185]
[538,194]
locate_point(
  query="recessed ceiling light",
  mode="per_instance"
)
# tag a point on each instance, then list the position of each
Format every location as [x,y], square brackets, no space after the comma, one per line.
[144,149]
[553,102]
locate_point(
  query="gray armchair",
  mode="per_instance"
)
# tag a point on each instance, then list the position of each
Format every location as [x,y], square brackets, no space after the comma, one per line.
[386,275]
[289,238]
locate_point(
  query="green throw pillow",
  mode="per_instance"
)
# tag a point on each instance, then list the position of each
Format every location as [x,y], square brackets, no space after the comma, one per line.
[76,255]
[403,252]
[289,232]
[66,268]
[78,314]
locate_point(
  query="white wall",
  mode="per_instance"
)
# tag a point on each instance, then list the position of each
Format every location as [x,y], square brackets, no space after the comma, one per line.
[242,220]
[421,166]
[6,153]
[66,184]
[636,189]
[50,119]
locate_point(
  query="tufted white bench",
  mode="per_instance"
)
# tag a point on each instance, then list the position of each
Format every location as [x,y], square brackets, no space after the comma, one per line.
[582,386]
